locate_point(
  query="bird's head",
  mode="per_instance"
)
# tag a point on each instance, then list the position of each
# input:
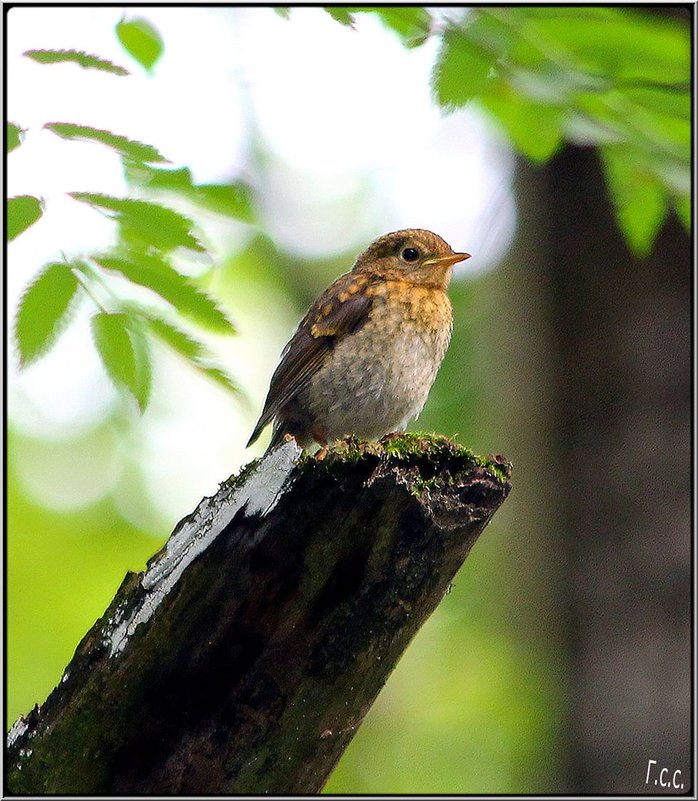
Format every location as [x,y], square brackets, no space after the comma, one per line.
[414,255]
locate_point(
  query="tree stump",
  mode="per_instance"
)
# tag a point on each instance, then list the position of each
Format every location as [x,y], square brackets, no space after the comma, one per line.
[246,656]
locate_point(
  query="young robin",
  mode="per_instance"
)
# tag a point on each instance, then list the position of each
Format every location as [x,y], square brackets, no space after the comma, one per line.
[364,357]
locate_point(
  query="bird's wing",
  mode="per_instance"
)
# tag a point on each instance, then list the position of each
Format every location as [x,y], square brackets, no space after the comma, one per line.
[344,307]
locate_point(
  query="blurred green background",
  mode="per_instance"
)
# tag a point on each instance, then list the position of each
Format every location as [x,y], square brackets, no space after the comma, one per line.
[560,662]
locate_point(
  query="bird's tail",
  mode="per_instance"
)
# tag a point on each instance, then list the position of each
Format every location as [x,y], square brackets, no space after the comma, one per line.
[279,431]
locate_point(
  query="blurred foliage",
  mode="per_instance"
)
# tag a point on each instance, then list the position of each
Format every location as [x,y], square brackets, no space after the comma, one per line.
[233,199]
[411,23]
[614,78]
[62,567]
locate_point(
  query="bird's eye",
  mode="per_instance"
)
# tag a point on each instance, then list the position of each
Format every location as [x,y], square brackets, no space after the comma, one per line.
[410,254]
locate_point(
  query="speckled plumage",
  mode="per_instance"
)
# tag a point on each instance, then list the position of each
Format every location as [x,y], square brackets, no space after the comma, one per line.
[364,357]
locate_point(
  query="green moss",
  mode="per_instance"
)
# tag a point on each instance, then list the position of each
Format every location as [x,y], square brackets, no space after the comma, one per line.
[238,479]
[439,460]
[499,467]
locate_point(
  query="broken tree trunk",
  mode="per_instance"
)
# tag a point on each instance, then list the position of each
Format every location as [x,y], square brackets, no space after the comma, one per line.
[246,656]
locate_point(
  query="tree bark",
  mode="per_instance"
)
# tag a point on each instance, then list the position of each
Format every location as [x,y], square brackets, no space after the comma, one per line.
[246,656]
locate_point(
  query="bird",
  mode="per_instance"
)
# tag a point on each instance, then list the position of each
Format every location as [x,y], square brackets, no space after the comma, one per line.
[364,357]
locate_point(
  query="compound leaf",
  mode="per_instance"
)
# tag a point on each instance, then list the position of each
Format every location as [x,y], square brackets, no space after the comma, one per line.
[233,199]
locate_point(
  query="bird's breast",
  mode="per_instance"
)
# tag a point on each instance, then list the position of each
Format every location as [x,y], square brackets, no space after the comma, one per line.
[423,309]
[378,378]
[414,328]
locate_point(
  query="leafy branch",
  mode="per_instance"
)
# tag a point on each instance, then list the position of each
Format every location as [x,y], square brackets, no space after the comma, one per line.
[149,234]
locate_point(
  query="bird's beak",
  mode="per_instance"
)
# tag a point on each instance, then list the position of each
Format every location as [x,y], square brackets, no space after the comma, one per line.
[447,261]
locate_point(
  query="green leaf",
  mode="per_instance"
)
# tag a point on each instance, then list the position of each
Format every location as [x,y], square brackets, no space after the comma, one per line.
[22,211]
[640,124]
[139,38]
[493,32]
[178,340]
[13,136]
[411,23]
[641,128]
[43,311]
[155,274]
[124,354]
[283,11]
[221,378]
[548,85]
[639,199]
[682,204]
[85,60]
[587,129]
[535,129]
[144,224]
[341,15]
[234,199]
[192,350]
[671,131]
[126,147]
[674,175]
[668,101]
[178,180]
[621,43]
[144,368]
[461,70]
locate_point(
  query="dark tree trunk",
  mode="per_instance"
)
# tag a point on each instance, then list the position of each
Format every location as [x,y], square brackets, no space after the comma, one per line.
[624,428]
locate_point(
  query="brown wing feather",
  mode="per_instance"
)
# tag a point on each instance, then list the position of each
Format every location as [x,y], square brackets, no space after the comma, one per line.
[341,309]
